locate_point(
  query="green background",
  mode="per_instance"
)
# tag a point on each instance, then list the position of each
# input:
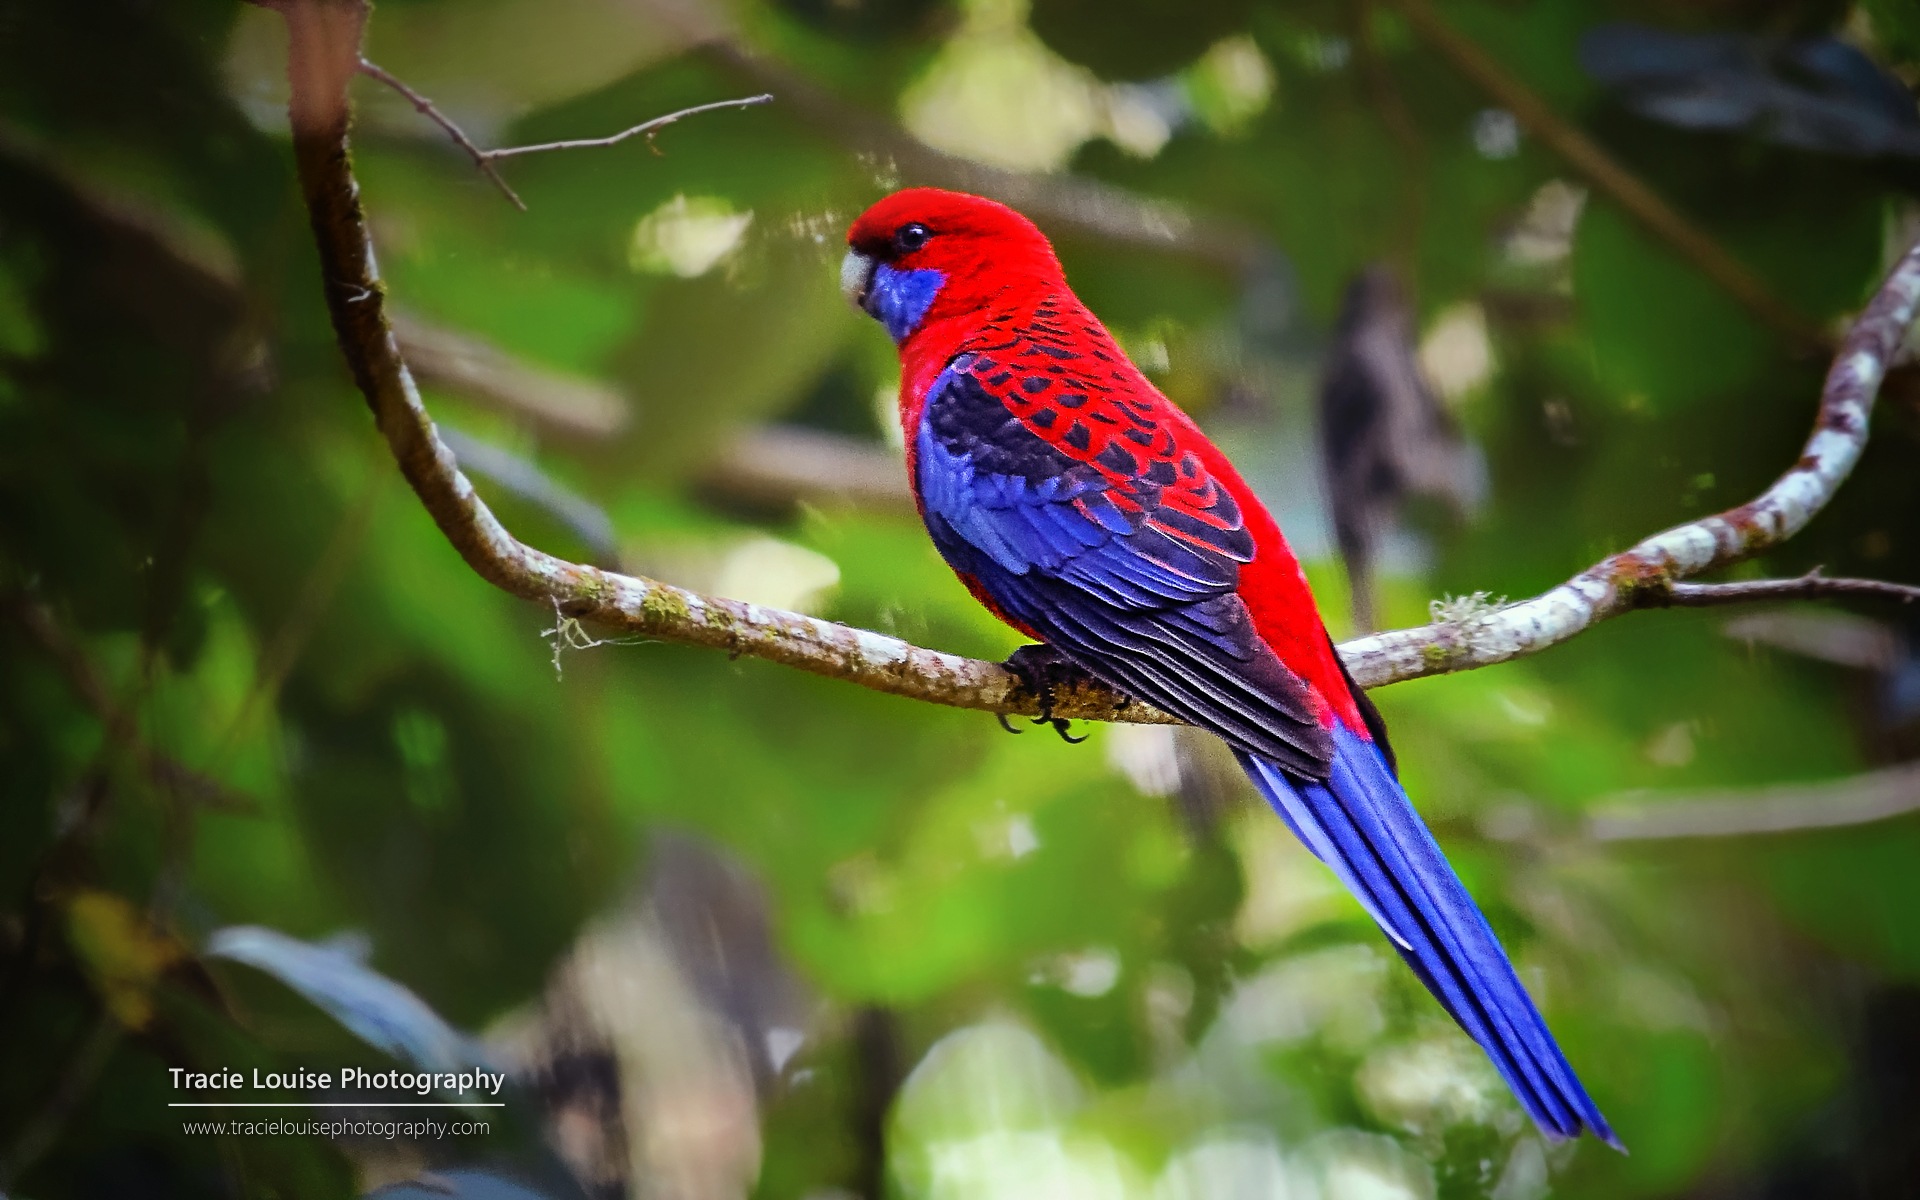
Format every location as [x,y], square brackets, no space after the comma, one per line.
[1013,967]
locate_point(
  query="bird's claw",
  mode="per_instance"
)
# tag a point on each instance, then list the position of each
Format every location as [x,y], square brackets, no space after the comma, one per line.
[1061,726]
[1041,670]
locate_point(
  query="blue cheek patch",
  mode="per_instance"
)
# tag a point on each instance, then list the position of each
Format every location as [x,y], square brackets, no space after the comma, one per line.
[899,299]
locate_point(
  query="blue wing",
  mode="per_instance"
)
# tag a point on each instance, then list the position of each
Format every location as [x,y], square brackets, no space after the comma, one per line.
[1134,588]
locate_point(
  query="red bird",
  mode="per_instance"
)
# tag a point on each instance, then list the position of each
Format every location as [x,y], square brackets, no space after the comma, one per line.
[1089,513]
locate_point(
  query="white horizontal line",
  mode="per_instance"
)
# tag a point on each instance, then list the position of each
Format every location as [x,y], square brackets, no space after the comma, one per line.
[360,1104]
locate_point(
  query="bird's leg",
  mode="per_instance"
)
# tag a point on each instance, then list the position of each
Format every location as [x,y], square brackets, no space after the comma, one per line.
[1041,670]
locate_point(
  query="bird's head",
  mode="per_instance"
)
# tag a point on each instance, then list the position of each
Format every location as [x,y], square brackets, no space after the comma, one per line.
[923,255]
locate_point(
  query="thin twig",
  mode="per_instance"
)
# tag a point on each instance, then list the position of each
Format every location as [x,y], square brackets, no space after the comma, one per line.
[324,30]
[1811,586]
[484,159]
[1614,180]
[425,108]
[646,128]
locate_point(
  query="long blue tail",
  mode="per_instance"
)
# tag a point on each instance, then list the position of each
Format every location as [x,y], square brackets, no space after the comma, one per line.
[1361,824]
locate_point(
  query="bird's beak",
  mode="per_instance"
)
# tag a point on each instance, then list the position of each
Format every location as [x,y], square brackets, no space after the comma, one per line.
[856,277]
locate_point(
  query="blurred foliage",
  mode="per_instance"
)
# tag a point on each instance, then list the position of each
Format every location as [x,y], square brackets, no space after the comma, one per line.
[246,681]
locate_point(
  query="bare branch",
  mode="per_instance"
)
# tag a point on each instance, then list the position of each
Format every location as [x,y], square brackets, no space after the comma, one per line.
[322,60]
[1811,586]
[646,128]
[425,108]
[1785,808]
[484,159]
[1606,173]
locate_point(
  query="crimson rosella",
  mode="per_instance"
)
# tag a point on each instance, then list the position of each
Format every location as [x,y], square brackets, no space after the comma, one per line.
[1085,510]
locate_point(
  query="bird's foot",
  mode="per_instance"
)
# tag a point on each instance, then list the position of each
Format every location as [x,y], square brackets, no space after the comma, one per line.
[1042,670]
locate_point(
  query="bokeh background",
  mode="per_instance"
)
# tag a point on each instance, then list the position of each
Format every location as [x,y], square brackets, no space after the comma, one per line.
[286,785]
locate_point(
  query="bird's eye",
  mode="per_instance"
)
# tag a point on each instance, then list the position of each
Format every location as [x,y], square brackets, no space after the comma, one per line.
[909,238]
